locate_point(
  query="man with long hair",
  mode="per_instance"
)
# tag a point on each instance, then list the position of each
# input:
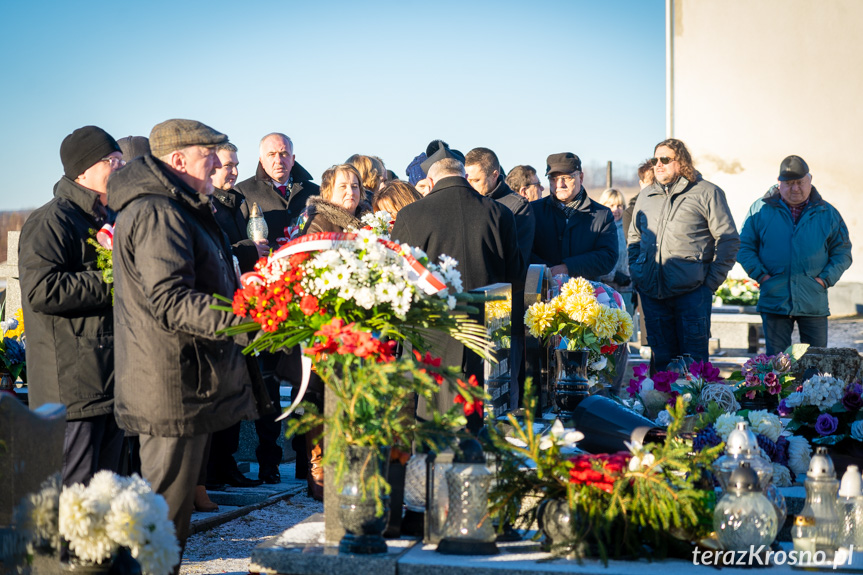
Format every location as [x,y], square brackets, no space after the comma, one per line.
[682,243]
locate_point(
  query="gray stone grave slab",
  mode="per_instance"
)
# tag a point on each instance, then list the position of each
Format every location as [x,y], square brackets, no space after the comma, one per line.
[31,451]
[841,362]
[9,270]
[736,330]
[303,550]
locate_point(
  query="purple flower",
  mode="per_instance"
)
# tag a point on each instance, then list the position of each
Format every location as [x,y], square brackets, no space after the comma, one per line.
[634,387]
[640,371]
[826,424]
[705,370]
[852,399]
[771,380]
[755,365]
[663,379]
[784,410]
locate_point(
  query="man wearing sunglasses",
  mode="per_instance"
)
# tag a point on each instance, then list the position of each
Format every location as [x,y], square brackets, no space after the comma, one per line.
[67,306]
[682,242]
[796,246]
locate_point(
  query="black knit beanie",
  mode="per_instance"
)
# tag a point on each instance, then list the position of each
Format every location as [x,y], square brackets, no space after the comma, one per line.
[83,148]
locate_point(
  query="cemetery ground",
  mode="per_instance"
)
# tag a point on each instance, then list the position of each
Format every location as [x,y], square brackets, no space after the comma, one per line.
[225,547]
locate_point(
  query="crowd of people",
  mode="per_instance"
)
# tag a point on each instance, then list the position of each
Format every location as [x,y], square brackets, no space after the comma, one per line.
[150,387]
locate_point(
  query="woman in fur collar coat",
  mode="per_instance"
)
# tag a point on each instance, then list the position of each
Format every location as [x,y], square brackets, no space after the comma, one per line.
[340,205]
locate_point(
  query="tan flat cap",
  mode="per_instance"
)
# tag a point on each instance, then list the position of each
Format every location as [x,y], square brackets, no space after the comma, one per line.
[178,134]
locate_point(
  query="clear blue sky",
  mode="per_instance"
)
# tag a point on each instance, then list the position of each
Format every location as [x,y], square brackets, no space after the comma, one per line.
[525,78]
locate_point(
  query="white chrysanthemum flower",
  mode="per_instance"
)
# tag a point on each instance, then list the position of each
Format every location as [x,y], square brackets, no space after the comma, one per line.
[726,423]
[365,297]
[781,475]
[106,485]
[127,522]
[765,423]
[663,418]
[161,553]
[799,454]
[451,302]
[857,430]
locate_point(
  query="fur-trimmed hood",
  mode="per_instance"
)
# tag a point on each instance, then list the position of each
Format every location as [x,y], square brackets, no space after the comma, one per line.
[337,216]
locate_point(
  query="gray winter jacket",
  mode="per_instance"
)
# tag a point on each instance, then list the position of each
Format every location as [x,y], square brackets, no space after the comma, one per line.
[681,238]
[175,376]
[67,305]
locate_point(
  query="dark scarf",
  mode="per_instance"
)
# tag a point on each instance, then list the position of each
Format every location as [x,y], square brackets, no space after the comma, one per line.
[573,206]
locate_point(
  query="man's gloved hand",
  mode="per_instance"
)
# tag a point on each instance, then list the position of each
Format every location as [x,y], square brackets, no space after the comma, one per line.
[622,279]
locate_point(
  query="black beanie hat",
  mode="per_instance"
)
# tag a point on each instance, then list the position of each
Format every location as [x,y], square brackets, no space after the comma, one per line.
[83,148]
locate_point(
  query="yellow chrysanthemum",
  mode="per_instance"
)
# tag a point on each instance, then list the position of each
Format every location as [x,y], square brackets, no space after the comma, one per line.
[539,318]
[577,286]
[558,303]
[605,322]
[19,329]
[625,327]
[580,308]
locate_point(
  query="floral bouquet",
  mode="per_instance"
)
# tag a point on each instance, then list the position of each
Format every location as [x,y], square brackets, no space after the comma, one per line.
[103,241]
[738,292]
[13,359]
[825,410]
[622,504]
[379,223]
[768,376]
[383,287]
[583,321]
[351,298]
[111,513]
[704,393]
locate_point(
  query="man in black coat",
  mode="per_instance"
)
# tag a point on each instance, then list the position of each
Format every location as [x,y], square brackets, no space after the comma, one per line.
[476,231]
[231,211]
[177,380]
[281,187]
[483,174]
[574,235]
[67,306]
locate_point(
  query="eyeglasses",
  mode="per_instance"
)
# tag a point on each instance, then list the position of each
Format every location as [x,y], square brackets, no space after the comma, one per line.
[114,162]
[567,180]
[665,160]
[537,184]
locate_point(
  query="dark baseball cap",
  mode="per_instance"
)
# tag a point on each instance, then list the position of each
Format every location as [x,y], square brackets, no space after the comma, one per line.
[564,163]
[792,168]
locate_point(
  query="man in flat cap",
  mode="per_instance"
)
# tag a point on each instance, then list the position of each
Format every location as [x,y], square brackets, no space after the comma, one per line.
[682,242]
[795,245]
[478,232]
[574,235]
[177,381]
[67,306]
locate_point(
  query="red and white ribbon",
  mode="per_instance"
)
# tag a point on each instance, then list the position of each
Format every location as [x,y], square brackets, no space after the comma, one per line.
[105,236]
[417,273]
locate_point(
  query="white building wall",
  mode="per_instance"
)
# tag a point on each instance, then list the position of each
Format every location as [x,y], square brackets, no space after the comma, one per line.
[753,81]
